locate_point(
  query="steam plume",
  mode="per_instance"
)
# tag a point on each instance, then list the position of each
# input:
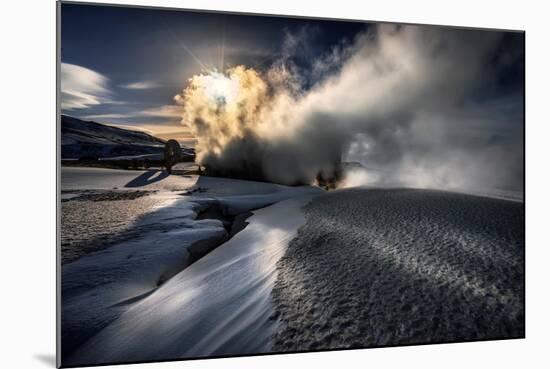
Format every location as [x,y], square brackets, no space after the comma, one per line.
[399,101]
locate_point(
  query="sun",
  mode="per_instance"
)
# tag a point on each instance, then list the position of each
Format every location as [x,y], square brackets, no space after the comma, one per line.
[220,88]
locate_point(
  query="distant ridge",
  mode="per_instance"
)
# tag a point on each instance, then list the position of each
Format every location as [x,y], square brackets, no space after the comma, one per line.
[88,139]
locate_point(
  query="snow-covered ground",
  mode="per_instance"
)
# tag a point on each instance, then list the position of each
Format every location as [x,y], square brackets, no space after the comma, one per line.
[356,175]
[78,178]
[100,206]
[374,267]
[351,268]
[81,138]
[221,303]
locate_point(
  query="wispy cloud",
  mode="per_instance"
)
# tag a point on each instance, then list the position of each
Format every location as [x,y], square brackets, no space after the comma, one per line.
[164,131]
[107,116]
[169,112]
[82,87]
[142,85]
[164,111]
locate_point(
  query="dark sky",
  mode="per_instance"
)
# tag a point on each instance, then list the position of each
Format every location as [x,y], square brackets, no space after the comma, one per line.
[164,48]
[417,105]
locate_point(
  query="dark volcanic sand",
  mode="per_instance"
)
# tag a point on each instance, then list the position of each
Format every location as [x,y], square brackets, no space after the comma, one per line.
[388,267]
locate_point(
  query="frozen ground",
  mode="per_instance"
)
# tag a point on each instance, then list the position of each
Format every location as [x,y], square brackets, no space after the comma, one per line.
[220,305]
[98,286]
[366,267]
[145,281]
[90,221]
[76,179]
[388,267]
[99,206]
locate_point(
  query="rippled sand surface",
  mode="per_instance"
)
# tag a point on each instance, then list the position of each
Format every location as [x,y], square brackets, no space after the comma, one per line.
[387,267]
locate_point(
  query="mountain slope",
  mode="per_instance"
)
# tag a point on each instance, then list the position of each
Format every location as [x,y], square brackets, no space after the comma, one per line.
[81,138]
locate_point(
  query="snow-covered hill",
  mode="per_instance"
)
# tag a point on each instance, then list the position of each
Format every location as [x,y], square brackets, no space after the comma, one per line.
[81,139]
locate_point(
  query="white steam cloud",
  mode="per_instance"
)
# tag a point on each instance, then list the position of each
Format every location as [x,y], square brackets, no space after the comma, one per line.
[398,102]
